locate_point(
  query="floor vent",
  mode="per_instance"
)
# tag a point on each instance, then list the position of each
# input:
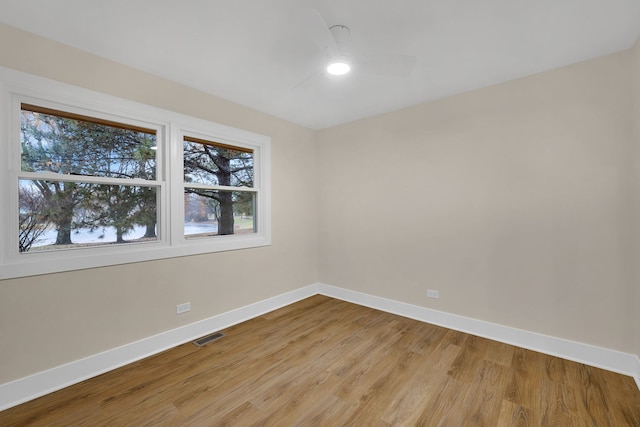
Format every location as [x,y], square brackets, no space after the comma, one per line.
[207,339]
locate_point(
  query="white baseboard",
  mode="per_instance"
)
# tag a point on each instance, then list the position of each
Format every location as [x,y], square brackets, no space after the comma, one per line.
[611,360]
[637,375]
[41,383]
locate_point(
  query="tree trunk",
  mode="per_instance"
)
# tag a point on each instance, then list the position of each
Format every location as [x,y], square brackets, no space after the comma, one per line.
[64,232]
[119,235]
[150,231]
[64,214]
[225,222]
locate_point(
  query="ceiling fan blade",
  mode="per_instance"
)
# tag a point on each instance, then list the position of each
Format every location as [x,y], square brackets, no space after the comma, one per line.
[392,64]
[307,81]
[317,30]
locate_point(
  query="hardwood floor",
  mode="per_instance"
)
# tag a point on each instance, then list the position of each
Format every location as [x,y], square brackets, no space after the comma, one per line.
[326,362]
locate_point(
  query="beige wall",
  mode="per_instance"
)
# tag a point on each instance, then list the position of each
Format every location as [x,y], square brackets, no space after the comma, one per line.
[514,201]
[53,319]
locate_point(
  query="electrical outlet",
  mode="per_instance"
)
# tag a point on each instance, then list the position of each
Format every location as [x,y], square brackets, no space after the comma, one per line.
[433,294]
[183,308]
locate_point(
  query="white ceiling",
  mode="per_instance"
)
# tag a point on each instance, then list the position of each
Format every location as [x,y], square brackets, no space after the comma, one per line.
[255,52]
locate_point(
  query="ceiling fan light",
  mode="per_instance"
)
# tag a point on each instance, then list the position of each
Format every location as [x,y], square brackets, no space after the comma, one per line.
[338,67]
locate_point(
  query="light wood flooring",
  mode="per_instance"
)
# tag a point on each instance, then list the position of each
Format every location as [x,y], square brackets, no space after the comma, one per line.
[326,362]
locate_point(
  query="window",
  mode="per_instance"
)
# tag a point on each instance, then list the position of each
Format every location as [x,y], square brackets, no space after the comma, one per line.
[59,207]
[219,198]
[92,180]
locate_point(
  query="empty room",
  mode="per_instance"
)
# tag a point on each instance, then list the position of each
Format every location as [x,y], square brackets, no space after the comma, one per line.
[320,212]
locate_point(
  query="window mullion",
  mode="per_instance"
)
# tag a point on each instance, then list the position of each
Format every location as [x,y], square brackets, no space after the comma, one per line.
[176,190]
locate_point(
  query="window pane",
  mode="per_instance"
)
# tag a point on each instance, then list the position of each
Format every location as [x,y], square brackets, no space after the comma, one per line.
[216,164]
[62,145]
[215,213]
[59,214]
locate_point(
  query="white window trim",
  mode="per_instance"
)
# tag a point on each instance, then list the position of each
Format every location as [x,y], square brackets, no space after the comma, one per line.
[16,87]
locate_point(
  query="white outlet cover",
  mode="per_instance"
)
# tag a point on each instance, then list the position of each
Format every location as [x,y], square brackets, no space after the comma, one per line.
[183,308]
[433,294]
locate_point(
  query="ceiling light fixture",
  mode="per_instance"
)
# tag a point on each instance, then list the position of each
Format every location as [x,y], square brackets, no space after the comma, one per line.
[338,66]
